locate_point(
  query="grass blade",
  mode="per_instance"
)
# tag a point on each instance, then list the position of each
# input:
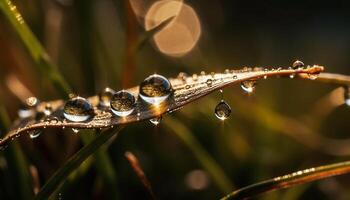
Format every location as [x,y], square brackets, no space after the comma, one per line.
[18,166]
[208,163]
[290,180]
[34,47]
[74,162]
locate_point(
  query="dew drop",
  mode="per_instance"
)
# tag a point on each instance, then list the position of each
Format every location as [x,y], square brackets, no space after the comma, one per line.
[182,76]
[194,77]
[155,121]
[298,64]
[122,103]
[291,75]
[222,110]
[155,89]
[209,82]
[35,133]
[227,71]
[28,108]
[48,109]
[105,97]
[248,86]
[77,109]
[75,130]
[313,76]
[202,73]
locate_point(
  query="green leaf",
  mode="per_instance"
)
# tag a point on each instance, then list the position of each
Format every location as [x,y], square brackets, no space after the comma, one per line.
[290,180]
[74,162]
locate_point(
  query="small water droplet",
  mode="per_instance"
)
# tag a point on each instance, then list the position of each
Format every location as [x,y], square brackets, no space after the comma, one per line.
[122,103]
[313,76]
[155,121]
[75,130]
[298,64]
[182,76]
[291,75]
[28,108]
[105,97]
[222,110]
[227,71]
[77,109]
[234,76]
[209,82]
[347,95]
[155,89]
[35,133]
[212,74]
[194,77]
[202,73]
[48,109]
[248,86]
[187,87]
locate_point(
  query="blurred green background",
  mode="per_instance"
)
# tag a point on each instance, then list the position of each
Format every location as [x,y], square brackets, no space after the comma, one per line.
[284,126]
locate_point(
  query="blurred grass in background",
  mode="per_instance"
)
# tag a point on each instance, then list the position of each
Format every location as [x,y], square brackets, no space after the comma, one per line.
[95,44]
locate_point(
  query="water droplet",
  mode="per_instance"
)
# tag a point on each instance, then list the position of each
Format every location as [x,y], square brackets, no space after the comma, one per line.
[105,97]
[28,108]
[313,76]
[248,86]
[298,64]
[75,130]
[222,110]
[48,109]
[155,121]
[202,73]
[77,109]
[194,77]
[155,89]
[209,82]
[35,133]
[234,76]
[291,75]
[187,87]
[227,71]
[122,103]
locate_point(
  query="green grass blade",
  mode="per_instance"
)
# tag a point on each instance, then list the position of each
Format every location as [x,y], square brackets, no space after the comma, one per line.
[290,180]
[17,163]
[34,47]
[208,163]
[74,162]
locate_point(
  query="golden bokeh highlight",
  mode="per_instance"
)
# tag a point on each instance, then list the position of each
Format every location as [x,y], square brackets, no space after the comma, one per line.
[182,34]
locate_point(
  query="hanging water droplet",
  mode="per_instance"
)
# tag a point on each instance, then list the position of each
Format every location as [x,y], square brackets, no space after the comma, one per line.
[28,108]
[313,76]
[222,110]
[77,109]
[155,121]
[298,64]
[155,89]
[35,133]
[248,86]
[209,82]
[105,97]
[75,130]
[48,109]
[122,103]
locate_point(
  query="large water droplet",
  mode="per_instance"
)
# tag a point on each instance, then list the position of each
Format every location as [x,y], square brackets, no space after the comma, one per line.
[122,103]
[155,89]
[155,121]
[35,133]
[77,109]
[28,108]
[222,110]
[105,96]
[298,64]
[248,86]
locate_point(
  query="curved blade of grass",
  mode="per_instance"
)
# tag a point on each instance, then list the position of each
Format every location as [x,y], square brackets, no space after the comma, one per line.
[290,180]
[34,47]
[17,163]
[208,163]
[185,91]
[74,162]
